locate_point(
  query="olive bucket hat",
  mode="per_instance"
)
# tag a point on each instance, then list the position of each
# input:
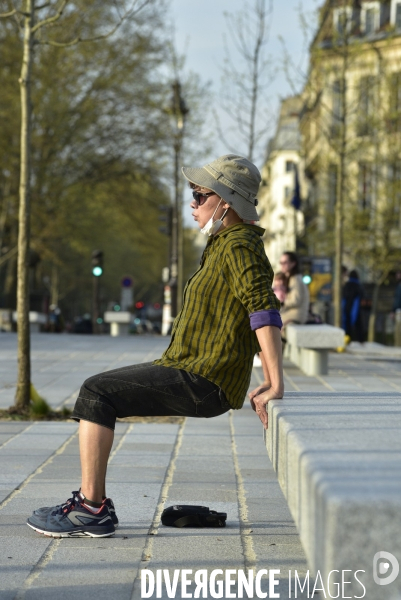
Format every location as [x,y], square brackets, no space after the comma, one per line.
[233,178]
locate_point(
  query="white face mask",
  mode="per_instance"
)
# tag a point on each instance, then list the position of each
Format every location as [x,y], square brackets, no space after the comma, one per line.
[211,226]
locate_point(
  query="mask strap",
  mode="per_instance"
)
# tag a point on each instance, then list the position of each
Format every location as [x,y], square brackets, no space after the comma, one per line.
[217,208]
[224,214]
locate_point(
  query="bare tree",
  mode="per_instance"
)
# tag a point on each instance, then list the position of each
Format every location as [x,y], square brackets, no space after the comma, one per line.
[246,74]
[33,27]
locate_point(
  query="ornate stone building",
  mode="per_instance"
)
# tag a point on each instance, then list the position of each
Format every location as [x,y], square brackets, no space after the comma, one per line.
[282,221]
[351,133]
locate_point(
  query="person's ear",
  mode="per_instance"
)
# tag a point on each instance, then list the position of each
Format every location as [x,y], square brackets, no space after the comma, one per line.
[225,205]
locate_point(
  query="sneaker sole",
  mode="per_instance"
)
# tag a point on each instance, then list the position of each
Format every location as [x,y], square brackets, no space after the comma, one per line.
[69,534]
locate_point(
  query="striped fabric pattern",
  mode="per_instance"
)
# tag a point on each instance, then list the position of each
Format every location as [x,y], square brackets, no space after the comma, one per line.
[212,335]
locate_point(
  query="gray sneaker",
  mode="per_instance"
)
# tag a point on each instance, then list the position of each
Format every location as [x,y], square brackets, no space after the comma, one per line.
[47,510]
[74,520]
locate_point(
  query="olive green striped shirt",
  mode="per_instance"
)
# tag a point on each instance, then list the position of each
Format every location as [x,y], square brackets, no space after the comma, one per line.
[212,335]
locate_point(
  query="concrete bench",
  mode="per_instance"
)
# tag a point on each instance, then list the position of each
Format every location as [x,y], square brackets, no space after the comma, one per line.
[308,346]
[120,322]
[5,320]
[36,320]
[338,461]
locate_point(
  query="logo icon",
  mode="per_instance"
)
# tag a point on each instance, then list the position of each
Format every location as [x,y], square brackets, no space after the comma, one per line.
[382,574]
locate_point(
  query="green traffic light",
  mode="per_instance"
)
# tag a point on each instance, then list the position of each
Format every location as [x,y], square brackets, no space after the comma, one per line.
[97,271]
[307,279]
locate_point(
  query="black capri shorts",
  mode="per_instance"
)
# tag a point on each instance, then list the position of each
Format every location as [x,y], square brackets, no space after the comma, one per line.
[147,390]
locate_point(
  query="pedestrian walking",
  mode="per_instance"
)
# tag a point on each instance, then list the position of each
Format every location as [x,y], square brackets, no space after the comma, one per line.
[351,308]
[397,295]
[229,313]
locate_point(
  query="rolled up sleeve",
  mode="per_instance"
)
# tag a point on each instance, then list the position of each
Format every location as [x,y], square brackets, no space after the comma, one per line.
[265,318]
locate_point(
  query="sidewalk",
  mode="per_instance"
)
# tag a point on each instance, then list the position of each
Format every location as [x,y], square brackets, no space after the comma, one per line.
[221,463]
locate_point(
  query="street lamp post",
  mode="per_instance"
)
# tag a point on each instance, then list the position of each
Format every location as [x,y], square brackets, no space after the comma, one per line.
[179,111]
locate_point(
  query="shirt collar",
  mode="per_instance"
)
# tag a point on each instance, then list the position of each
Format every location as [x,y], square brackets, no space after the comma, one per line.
[228,230]
[237,226]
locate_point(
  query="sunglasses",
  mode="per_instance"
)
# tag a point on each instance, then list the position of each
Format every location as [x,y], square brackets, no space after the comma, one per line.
[200,198]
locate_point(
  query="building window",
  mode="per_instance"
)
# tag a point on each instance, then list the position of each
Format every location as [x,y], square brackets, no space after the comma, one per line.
[289,166]
[366,108]
[398,16]
[396,13]
[365,186]
[287,193]
[370,17]
[394,120]
[337,108]
[394,191]
[342,20]
[370,21]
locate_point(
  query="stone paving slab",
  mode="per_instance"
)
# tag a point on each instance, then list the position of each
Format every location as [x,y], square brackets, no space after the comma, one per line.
[27,451]
[220,462]
[45,568]
[61,362]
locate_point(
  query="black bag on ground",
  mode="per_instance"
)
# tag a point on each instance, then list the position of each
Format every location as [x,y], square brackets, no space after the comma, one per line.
[192,516]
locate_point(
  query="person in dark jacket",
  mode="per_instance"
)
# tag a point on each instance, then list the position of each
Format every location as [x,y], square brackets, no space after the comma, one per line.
[351,308]
[397,295]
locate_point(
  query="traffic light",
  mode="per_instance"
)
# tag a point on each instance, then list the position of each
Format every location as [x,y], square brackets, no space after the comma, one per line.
[166,217]
[97,263]
[307,269]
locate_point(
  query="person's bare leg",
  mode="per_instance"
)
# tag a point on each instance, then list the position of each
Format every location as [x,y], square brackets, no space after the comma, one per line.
[95,442]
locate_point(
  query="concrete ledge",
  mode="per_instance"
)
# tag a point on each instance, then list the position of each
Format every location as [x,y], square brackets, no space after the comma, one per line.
[308,346]
[119,322]
[36,320]
[338,461]
[315,336]
[117,317]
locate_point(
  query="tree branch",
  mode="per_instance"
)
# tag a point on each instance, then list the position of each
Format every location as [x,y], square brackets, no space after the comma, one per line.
[9,14]
[77,40]
[8,255]
[52,19]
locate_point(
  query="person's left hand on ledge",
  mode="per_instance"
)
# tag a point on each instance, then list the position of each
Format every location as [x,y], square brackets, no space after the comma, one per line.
[260,399]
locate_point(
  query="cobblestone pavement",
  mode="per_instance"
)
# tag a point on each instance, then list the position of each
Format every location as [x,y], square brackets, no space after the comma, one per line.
[221,463]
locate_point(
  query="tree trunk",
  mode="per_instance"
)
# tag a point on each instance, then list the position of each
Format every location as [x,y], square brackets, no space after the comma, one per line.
[339,244]
[373,313]
[339,212]
[22,397]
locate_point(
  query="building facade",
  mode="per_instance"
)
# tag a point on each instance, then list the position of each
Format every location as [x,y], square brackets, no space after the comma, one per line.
[351,134]
[282,221]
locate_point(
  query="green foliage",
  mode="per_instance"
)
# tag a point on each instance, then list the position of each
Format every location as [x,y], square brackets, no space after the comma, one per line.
[102,151]
[39,408]
[99,145]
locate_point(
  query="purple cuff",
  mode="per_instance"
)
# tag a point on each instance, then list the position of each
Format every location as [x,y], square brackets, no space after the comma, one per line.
[265,317]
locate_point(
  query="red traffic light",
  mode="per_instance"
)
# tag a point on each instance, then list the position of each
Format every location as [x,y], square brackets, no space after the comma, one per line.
[139,304]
